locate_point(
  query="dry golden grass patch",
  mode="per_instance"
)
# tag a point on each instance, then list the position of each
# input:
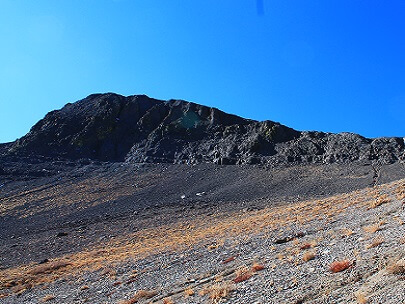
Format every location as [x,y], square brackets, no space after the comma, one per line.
[48,298]
[168,300]
[141,294]
[400,192]
[309,255]
[379,200]
[396,267]
[372,228]
[347,232]
[189,292]
[218,291]
[49,267]
[376,242]
[398,219]
[361,298]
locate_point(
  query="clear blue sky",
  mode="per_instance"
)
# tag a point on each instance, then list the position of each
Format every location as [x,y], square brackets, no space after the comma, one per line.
[336,65]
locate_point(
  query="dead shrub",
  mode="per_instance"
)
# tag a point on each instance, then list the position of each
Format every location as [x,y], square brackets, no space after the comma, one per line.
[339,266]
[228,260]
[242,274]
[305,246]
[257,267]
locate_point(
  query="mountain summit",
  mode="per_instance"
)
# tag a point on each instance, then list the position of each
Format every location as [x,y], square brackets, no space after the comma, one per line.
[111,127]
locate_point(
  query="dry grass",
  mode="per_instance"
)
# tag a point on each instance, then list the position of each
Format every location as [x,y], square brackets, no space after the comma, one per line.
[48,298]
[48,267]
[372,228]
[189,292]
[310,255]
[396,267]
[375,243]
[347,232]
[361,298]
[141,294]
[381,199]
[218,291]
[168,300]
[400,192]
[34,275]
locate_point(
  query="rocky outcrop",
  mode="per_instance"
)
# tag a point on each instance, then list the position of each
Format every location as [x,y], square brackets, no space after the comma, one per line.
[111,127]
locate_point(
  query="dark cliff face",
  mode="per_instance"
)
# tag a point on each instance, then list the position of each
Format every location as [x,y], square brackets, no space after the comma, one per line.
[111,127]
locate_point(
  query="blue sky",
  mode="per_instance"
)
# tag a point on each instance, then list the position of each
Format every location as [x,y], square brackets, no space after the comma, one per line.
[336,65]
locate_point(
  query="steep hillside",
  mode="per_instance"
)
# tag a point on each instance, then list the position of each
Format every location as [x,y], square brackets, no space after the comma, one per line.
[340,249]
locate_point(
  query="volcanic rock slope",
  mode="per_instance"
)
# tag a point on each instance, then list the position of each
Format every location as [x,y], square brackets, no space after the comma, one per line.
[117,199]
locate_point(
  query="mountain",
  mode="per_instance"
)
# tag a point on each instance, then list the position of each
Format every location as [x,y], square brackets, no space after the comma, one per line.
[99,203]
[139,129]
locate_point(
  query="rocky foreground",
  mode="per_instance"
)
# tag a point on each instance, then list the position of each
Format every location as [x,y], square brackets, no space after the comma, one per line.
[346,248]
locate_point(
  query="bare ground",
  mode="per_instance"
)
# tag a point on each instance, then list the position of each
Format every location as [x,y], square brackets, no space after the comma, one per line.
[110,233]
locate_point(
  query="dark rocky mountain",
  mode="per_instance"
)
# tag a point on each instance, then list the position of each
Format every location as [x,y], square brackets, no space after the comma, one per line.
[111,127]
